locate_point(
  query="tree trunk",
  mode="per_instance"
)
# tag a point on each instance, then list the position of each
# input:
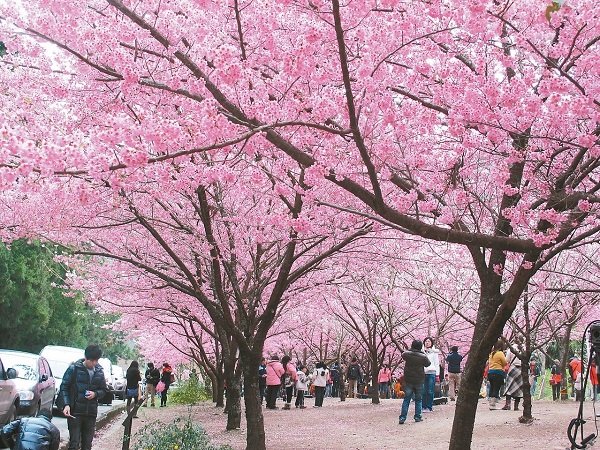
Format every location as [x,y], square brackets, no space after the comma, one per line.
[468,396]
[234,401]
[374,379]
[255,436]
[220,391]
[342,385]
[467,401]
[527,417]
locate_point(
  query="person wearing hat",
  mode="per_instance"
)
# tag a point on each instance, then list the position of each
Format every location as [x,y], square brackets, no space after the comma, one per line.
[414,376]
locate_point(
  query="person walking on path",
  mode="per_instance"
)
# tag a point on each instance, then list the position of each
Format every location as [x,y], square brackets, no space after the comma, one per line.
[167,377]
[262,379]
[534,373]
[133,377]
[319,377]
[152,377]
[594,380]
[334,374]
[289,380]
[275,371]
[556,380]
[353,375]
[414,375]
[30,433]
[82,385]
[384,377]
[513,385]
[453,359]
[496,373]
[432,374]
[301,386]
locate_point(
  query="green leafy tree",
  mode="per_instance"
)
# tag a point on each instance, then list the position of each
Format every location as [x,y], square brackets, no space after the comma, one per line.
[36,312]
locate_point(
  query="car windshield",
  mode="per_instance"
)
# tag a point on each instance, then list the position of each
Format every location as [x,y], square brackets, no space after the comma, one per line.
[58,367]
[25,366]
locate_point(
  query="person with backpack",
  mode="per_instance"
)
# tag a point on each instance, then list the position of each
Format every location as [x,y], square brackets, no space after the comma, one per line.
[353,375]
[319,377]
[334,373]
[288,380]
[152,377]
[301,386]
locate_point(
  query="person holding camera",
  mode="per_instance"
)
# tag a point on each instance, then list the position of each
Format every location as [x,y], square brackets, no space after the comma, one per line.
[319,377]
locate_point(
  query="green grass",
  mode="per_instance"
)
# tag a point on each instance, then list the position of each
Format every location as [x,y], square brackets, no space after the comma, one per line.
[182,434]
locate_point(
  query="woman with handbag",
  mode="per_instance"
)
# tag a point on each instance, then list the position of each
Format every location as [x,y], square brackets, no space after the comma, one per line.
[166,378]
[133,377]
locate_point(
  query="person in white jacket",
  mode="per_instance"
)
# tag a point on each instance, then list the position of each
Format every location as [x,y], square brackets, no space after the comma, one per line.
[432,373]
[301,386]
[319,377]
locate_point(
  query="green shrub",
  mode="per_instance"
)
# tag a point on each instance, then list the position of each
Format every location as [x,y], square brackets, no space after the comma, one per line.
[182,434]
[188,393]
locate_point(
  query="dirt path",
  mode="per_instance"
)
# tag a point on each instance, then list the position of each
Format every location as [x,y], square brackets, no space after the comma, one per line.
[358,424]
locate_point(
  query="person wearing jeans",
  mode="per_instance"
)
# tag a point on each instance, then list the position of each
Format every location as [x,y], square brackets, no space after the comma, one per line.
[432,373]
[496,373]
[414,375]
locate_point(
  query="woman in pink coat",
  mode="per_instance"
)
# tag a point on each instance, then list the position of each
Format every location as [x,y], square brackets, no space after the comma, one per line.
[385,374]
[274,372]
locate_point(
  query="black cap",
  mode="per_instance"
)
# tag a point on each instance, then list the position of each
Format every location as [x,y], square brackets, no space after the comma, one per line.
[416,345]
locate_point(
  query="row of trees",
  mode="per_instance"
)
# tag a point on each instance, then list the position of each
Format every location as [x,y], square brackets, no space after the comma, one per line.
[223,162]
[39,309]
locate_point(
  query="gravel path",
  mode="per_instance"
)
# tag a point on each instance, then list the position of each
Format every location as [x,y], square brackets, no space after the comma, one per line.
[358,424]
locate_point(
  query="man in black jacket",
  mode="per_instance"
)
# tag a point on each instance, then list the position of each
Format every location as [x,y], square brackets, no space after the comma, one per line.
[152,377]
[82,385]
[414,375]
[32,433]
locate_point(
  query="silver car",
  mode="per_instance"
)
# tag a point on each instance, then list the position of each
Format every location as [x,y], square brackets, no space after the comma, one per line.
[34,381]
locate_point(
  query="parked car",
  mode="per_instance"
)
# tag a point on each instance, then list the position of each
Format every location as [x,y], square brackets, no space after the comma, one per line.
[108,376]
[9,395]
[119,381]
[59,358]
[34,381]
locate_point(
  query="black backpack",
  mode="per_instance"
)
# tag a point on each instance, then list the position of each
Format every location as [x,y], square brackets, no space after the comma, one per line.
[353,373]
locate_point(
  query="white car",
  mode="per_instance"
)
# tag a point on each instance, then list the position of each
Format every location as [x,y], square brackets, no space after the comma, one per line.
[119,381]
[60,358]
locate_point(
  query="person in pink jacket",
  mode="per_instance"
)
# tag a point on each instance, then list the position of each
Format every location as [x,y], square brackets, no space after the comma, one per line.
[274,372]
[289,379]
[385,375]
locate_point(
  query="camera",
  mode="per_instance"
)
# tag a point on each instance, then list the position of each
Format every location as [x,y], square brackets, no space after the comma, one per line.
[595,335]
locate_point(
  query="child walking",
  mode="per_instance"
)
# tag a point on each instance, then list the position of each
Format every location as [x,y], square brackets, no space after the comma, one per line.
[301,387]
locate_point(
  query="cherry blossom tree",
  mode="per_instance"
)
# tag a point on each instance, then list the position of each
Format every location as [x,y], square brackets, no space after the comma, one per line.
[469,123]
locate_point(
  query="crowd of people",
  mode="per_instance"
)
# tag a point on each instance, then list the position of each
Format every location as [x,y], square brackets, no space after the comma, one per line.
[281,378]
